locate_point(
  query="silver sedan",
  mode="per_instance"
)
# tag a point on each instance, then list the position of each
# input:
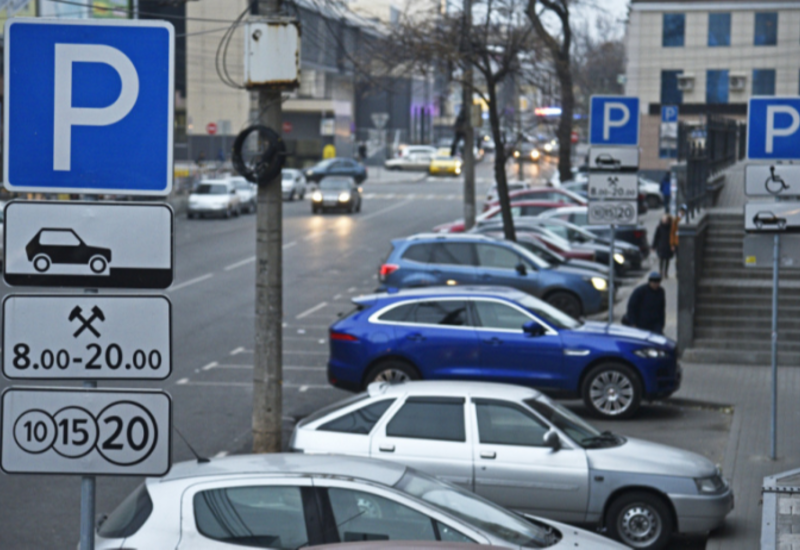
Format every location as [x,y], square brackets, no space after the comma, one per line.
[288,501]
[518,448]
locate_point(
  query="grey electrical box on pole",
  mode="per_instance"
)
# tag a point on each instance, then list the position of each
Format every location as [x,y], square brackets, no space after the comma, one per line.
[272,53]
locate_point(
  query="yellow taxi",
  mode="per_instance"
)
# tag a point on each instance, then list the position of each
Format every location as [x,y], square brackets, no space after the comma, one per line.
[445,164]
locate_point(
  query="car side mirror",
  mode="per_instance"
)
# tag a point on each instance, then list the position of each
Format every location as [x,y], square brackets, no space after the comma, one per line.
[521,269]
[532,328]
[552,440]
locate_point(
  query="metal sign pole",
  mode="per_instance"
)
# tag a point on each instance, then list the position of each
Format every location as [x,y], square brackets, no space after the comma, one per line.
[611,276]
[87,500]
[775,268]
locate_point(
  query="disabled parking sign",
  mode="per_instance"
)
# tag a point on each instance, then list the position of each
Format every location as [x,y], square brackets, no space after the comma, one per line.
[88,106]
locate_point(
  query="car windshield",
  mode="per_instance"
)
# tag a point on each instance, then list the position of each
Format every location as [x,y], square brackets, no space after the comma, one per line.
[476,511]
[334,184]
[539,263]
[211,189]
[585,435]
[287,175]
[444,157]
[241,184]
[549,314]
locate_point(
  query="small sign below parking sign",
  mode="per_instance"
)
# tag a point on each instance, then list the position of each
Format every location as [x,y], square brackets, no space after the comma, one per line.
[88,244]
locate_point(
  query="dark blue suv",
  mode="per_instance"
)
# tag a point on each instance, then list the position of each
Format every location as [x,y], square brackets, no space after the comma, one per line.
[468,259]
[498,334]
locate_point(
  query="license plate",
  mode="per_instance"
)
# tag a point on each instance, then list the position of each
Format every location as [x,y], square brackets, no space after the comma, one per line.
[330,203]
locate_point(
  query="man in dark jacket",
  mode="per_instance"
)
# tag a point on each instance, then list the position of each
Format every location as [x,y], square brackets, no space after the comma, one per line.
[647,306]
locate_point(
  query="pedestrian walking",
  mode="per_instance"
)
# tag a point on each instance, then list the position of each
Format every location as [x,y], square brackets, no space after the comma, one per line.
[674,241]
[647,306]
[662,244]
[666,191]
[362,151]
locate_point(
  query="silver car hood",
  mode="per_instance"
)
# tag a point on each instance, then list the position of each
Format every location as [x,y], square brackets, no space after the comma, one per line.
[573,537]
[643,457]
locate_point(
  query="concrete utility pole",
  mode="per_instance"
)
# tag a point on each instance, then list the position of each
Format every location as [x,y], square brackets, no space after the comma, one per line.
[267,367]
[469,135]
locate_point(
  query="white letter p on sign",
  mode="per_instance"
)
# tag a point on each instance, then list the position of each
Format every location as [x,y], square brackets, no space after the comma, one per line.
[66,116]
[773,132]
[608,123]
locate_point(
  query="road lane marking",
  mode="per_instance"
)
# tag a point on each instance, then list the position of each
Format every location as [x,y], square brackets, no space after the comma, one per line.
[199,279]
[383,210]
[337,296]
[249,260]
[308,312]
[303,388]
[239,350]
[233,366]
[285,352]
[289,245]
[182,381]
[221,454]
[352,289]
[210,366]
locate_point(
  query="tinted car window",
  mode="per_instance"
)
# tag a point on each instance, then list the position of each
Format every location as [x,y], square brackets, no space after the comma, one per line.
[334,184]
[446,312]
[579,219]
[418,252]
[360,421]
[399,313]
[496,257]
[503,424]
[533,210]
[211,189]
[501,316]
[260,517]
[361,516]
[452,254]
[129,516]
[429,418]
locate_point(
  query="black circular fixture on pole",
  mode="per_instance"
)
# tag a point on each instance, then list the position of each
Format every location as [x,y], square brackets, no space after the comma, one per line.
[268,165]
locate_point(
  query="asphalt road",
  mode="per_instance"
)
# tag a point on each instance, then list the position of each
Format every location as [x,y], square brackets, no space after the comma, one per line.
[327,260]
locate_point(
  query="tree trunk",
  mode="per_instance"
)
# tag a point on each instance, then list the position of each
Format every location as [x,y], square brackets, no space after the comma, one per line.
[565,126]
[500,164]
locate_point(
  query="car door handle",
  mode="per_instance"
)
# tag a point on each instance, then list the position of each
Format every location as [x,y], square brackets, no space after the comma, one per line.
[386,448]
[488,454]
[415,337]
[494,341]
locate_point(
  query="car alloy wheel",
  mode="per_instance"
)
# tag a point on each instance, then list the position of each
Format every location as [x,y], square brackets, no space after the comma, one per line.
[612,390]
[391,371]
[565,302]
[391,376]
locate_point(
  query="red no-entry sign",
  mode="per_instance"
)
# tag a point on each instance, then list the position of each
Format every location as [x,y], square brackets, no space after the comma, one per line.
[211,128]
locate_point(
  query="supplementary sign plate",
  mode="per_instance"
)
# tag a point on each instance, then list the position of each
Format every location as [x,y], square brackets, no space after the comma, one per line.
[772,180]
[758,251]
[612,212]
[613,186]
[772,217]
[86,431]
[88,244]
[88,106]
[65,336]
[613,158]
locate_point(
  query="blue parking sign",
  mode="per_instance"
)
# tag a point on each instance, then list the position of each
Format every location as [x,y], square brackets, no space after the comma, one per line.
[669,113]
[773,128]
[89,106]
[614,120]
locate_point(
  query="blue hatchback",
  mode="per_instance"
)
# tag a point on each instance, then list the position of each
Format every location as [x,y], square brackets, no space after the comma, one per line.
[499,334]
[470,259]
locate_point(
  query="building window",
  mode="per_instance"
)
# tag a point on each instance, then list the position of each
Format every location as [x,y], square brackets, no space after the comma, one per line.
[719,29]
[670,94]
[716,86]
[674,26]
[766,29]
[763,81]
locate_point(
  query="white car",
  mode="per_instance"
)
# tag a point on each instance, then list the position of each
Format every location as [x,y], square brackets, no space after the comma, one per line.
[519,449]
[214,198]
[289,501]
[652,192]
[412,157]
[293,184]
[248,193]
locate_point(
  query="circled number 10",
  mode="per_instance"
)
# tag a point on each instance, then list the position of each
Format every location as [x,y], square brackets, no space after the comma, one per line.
[112,354]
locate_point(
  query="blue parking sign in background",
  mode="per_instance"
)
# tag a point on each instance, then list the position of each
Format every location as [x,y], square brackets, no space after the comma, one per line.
[89,106]
[614,120]
[773,128]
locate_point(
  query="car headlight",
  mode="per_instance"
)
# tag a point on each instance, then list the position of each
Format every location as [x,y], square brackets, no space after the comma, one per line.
[548,147]
[344,197]
[651,353]
[516,154]
[458,170]
[309,173]
[710,485]
[599,283]
[619,258]
[316,196]
[535,154]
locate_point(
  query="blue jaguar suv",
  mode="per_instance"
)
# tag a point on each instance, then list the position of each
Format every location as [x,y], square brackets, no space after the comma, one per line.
[470,259]
[499,334]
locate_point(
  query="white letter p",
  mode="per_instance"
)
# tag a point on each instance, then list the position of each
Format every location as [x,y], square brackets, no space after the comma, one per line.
[773,132]
[66,116]
[608,123]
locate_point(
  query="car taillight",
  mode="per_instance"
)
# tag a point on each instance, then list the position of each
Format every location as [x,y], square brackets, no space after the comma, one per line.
[386,270]
[638,234]
[343,337]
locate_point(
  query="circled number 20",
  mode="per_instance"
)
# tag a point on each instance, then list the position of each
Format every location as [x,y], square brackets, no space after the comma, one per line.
[98,357]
